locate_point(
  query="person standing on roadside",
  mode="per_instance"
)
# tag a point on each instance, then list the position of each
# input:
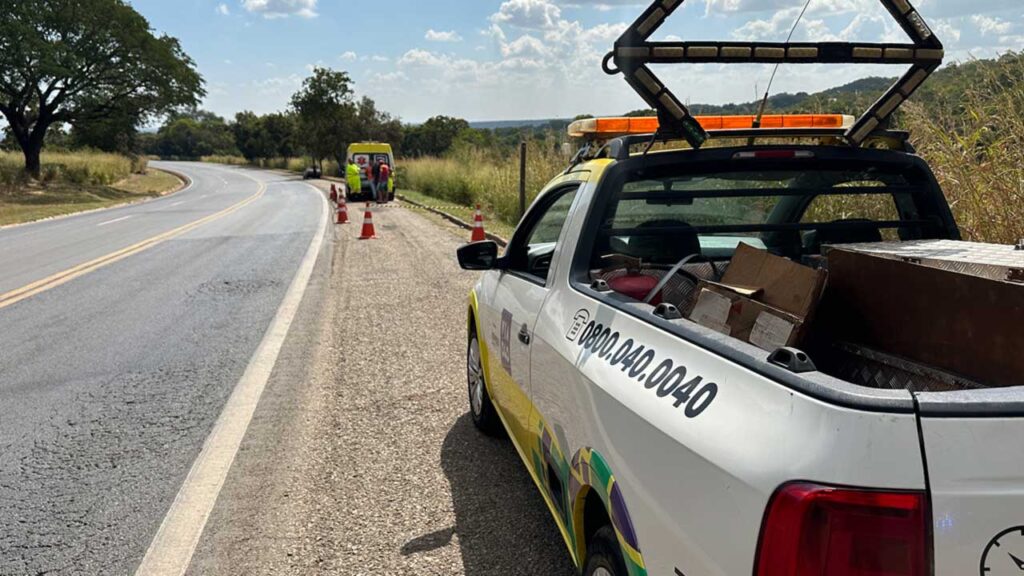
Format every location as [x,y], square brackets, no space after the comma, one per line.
[383,183]
[355,185]
[374,174]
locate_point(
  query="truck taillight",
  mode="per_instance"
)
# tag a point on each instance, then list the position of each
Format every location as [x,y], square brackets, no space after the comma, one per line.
[815,530]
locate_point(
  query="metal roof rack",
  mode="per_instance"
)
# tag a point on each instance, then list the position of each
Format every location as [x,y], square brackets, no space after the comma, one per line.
[634,52]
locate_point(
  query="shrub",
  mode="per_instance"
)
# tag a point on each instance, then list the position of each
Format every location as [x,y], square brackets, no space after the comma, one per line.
[975,145]
[471,176]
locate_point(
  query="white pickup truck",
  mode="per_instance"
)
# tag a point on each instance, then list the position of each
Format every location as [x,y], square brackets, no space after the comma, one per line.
[665,447]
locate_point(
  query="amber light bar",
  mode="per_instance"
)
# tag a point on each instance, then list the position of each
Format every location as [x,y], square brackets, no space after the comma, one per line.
[607,128]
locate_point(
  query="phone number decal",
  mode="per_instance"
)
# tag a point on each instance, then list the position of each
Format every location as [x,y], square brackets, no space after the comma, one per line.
[666,379]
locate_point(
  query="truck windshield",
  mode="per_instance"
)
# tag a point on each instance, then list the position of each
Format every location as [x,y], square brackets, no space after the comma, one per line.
[791,211]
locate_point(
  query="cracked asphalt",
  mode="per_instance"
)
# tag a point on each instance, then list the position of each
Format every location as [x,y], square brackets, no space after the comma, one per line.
[361,458]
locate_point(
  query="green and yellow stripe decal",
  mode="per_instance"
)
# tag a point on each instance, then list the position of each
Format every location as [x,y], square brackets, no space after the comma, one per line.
[587,471]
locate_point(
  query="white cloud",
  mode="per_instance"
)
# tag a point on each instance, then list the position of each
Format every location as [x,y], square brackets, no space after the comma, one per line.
[443,36]
[349,56]
[825,21]
[991,25]
[536,54]
[223,10]
[946,31]
[528,14]
[281,8]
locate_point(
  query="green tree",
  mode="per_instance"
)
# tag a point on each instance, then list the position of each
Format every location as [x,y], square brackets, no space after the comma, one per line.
[376,125]
[194,134]
[117,132]
[75,61]
[250,137]
[434,137]
[264,137]
[326,113]
[282,130]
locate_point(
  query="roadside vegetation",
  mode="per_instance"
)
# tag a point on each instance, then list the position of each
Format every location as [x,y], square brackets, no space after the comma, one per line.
[972,133]
[470,176]
[78,81]
[965,122]
[74,182]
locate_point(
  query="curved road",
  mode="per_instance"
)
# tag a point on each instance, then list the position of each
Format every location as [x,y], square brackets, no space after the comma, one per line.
[155,420]
[123,333]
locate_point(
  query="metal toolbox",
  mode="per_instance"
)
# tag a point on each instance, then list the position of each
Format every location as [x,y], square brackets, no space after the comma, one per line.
[989,261]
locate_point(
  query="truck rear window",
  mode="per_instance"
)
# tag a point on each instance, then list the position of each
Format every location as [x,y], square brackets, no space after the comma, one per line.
[793,212]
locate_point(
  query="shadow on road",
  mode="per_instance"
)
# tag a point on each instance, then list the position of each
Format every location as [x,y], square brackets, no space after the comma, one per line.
[502,524]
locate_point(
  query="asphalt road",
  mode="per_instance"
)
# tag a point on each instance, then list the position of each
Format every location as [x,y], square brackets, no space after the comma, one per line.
[360,458]
[110,381]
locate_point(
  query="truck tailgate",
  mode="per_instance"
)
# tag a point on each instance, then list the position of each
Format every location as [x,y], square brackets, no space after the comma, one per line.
[976,474]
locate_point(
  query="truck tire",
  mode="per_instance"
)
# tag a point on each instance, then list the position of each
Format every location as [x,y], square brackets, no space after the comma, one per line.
[480,406]
[604,555]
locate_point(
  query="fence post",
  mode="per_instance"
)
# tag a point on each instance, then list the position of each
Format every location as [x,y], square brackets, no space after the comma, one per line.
[522,179]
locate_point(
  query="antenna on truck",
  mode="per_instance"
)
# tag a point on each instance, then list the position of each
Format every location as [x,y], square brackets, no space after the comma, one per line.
[633,53]
[768,90]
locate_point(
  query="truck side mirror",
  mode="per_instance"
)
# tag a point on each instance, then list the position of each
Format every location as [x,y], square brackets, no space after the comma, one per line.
[479,256]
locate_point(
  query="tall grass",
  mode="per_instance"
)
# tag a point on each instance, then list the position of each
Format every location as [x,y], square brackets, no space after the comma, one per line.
[80,167]
[297,165]
[975,145]
[472,176]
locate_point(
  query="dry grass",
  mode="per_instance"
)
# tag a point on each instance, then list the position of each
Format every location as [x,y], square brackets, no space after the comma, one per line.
[977,153]
[152,183]
[472,176]
[464,212]
[79,168]
[23,201]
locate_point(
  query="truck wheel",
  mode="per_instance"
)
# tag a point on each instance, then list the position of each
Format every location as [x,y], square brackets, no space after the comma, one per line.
[604,556]
[484,416]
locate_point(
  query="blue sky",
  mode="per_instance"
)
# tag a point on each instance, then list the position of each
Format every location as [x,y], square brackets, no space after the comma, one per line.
[518,59]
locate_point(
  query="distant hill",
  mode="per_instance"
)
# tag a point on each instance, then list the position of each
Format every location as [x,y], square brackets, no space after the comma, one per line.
[866,88]
[942,89]
[504,124]
[841,99]
[943,93]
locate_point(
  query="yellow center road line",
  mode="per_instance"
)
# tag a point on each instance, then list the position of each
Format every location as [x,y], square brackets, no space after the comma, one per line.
[61,278]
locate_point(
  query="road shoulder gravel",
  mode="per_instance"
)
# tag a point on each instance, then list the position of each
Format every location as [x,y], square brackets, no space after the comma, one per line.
[361,458]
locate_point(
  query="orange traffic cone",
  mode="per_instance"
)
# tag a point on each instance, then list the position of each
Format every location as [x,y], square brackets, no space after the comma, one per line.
[342,210]
[368,232]
[334,193]
[478,227]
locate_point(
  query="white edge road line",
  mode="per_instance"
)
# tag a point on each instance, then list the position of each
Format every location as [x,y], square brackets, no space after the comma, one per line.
[108,222]
[171,550]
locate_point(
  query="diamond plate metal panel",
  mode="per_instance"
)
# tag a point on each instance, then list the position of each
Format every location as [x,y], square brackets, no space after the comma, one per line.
[992,261]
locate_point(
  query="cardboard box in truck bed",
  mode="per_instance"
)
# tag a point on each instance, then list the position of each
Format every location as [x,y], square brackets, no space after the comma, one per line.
[762,299]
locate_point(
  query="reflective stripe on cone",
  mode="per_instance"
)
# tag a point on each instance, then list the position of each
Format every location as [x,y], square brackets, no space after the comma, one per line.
[342,210]
[368,231]
[479,235]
